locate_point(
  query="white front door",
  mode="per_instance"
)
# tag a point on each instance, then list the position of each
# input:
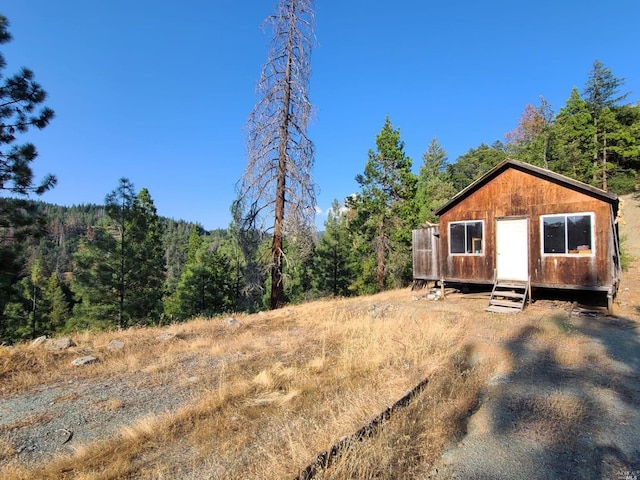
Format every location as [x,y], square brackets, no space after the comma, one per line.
[512,249]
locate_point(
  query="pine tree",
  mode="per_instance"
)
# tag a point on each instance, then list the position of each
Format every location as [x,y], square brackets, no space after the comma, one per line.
[55,304]
[475,163]
[146,275]
[175,244]
[119,267]
[20,98]
[381,213]
[332,261]
[95,279]
[20,95]
[573,134]
[119,207]
[433,187]
[623,149]
[206,286]
[602,94]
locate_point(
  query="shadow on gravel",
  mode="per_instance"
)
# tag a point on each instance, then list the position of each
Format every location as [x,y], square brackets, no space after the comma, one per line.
[579,422]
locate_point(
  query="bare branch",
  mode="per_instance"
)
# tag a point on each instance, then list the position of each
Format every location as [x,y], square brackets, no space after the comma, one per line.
[277,187]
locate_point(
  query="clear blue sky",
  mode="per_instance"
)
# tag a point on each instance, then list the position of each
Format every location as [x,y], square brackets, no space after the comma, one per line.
[159,91]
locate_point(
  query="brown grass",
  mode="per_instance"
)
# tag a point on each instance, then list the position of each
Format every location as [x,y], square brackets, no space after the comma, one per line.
[31,420]
[288,384]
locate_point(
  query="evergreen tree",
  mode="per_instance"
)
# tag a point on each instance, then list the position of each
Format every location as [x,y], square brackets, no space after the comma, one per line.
[146,275]
[119,269]
[195,242]
[382,208]
[20,98]
[206,286]
[433,187]
[296,274]
[35,285]
[230,248]
[573,140]
[175,242]
[20,95]
[602,94]
[55,304]
[119,207]
[623,149]
[95,280]
[475,163]
[332,262]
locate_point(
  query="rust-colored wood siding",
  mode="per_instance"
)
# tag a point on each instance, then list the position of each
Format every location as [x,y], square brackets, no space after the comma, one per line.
[426,253]
[514,193]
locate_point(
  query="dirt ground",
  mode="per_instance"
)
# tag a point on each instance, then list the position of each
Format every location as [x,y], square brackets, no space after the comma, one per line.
[544,420]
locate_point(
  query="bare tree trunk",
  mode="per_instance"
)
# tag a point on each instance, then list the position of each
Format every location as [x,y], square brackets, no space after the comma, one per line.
[604,163]
[277,186]
[34,311]
[277,252]
[380,255]
[545,152]
[595,152]
[121,285]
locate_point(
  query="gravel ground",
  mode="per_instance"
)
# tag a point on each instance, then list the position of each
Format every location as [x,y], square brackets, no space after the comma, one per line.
[64,416]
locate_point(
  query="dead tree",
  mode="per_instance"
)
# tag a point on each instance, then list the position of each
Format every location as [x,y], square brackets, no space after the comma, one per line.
[276,190]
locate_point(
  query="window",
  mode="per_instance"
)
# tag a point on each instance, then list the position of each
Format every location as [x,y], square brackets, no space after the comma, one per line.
[567,234]
[465,238]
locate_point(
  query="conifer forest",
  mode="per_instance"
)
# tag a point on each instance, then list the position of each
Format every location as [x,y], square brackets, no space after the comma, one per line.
[121,263]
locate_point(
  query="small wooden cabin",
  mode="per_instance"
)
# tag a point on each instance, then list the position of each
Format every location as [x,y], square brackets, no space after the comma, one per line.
[524,223]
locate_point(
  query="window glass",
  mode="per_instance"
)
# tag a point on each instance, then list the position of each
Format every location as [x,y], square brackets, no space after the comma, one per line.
[474,237]
[465,237]
[567,234]
[554,234]
[457,237]
[579,232]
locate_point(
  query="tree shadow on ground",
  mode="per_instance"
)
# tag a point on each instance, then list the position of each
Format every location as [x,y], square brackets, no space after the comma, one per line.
[586,418]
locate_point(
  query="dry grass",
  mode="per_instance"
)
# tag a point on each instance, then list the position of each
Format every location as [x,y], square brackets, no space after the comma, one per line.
[30,420]
[288,384]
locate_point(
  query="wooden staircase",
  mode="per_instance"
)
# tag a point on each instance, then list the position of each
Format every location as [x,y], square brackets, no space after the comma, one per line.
[509,296]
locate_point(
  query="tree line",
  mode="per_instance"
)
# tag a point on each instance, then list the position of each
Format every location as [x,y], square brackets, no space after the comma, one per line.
[120,264]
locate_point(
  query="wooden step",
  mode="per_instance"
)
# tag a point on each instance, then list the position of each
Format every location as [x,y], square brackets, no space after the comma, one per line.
[499,309]
[509,294]
[511,284]
[506,303]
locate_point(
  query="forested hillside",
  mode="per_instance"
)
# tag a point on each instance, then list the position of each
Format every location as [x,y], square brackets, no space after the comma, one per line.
[122,264]
[63,274]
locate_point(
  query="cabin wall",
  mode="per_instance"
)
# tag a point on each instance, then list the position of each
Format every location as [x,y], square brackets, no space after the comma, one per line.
[426,253]
[514,193]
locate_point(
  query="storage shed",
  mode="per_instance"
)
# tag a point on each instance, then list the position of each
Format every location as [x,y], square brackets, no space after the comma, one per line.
[521,225]
[426,253]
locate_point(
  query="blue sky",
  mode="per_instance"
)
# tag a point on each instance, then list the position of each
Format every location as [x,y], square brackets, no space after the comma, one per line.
[159,91]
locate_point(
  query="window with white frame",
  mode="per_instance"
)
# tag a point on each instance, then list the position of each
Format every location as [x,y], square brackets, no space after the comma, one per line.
[465,238]
[567,234]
